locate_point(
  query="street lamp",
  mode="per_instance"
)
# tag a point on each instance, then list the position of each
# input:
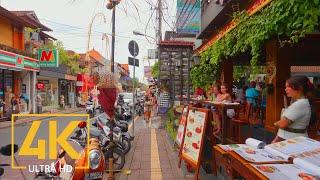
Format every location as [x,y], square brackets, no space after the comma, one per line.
[137,33]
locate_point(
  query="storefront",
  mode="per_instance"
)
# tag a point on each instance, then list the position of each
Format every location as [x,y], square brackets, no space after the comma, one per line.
[48,90]
[17,82]
[54,83]
[67,90]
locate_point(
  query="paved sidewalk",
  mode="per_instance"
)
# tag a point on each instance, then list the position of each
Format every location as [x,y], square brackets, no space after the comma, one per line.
[22,120]
[152,156]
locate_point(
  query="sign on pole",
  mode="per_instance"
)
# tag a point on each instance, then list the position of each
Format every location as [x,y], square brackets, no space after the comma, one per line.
[133,48]
[131,61]
[134,51]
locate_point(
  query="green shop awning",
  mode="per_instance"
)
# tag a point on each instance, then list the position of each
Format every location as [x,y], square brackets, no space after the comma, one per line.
[12,60]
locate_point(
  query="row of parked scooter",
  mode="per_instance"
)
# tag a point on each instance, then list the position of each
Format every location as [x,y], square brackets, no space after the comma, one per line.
[124,110]
[99,150]
[100,130]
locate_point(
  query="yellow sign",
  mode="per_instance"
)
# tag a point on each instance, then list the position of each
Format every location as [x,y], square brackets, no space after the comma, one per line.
[54,139]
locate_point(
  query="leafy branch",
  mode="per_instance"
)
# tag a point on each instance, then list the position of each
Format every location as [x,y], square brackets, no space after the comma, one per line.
[291,20]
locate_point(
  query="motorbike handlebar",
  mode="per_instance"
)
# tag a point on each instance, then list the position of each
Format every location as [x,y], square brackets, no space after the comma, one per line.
[6,150]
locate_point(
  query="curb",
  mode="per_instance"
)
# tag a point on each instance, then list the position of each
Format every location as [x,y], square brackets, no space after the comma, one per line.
[27,120]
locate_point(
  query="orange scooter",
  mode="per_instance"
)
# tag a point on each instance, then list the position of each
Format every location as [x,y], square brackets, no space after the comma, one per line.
[91,154]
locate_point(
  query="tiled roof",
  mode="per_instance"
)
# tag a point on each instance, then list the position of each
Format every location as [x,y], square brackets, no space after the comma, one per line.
[31,17]
[95,56]
[14,18]
[305,69]
[177,43]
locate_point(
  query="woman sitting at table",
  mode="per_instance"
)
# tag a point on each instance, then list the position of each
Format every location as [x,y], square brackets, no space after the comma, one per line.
[224,97]
[295,119]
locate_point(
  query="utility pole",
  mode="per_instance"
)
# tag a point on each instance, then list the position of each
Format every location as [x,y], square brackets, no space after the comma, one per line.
[159,34]
[112,5]
[113,37]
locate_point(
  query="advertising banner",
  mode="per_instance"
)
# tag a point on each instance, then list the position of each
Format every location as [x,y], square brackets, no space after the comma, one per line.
[188,16]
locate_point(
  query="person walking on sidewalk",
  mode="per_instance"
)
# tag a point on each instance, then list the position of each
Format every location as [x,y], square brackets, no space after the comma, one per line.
[39,104]
[164,101]
[147,109]
[154,104]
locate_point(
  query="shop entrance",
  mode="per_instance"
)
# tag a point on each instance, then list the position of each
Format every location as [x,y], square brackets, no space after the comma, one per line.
[64,87]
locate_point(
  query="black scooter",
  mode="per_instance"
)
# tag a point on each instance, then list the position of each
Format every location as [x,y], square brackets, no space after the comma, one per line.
[6,151]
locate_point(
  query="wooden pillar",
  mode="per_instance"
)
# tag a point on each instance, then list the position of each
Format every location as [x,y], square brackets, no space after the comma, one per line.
[279,57]
[227,74]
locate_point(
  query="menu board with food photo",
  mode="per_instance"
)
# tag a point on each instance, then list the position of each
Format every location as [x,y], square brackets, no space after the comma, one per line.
[196,123]
[182,126]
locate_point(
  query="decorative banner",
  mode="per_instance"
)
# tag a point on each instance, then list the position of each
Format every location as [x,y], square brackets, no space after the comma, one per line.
[188,16]
[147,71]
[48,57]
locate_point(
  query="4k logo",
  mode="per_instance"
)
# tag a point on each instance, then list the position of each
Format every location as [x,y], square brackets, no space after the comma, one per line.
[40,151]
[48,148]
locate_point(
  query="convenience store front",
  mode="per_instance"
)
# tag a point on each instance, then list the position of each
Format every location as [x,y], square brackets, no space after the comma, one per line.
[17,82]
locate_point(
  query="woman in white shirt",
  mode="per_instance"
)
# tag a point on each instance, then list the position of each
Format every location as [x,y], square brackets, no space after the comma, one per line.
[295,119]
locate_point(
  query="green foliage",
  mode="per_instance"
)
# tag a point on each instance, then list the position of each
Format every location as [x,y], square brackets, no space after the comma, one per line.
[155,70]
[245,72]
[202,75]
[289,19]
[170,124]
[135,81]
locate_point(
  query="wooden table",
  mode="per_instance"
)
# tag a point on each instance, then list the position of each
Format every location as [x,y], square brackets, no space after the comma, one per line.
[235,165]
[222,108]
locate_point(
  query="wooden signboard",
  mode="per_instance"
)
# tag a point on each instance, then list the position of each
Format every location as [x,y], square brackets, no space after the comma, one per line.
[182,126]
[191,149]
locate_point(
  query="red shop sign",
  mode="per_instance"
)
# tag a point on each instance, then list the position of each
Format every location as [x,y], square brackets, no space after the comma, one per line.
[40,85]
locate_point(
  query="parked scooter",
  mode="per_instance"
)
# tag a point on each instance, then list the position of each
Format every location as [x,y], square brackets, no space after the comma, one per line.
[6,151]
[104,140]
[91,109]
[120,131]
[96,162]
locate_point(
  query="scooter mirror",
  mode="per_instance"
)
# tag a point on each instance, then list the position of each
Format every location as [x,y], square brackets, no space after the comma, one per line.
[6,150]
[82,124]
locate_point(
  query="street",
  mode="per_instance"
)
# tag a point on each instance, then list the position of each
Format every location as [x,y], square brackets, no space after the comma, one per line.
[20,132]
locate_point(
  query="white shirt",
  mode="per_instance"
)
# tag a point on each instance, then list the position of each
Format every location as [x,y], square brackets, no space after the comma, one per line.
[299,113]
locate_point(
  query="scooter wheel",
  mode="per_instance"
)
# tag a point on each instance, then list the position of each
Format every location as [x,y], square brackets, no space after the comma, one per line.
[126,144]
[118,158]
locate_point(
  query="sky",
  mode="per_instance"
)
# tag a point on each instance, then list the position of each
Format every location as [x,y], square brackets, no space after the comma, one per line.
[70,24]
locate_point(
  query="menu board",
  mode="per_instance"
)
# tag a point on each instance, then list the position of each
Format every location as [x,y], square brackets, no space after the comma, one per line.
[182,126]
[193,138]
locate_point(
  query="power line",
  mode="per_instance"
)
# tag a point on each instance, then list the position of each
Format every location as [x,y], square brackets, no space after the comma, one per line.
[77,28]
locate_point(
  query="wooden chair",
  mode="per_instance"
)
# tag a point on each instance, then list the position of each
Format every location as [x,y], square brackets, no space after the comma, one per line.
[242,118]
[315,128]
